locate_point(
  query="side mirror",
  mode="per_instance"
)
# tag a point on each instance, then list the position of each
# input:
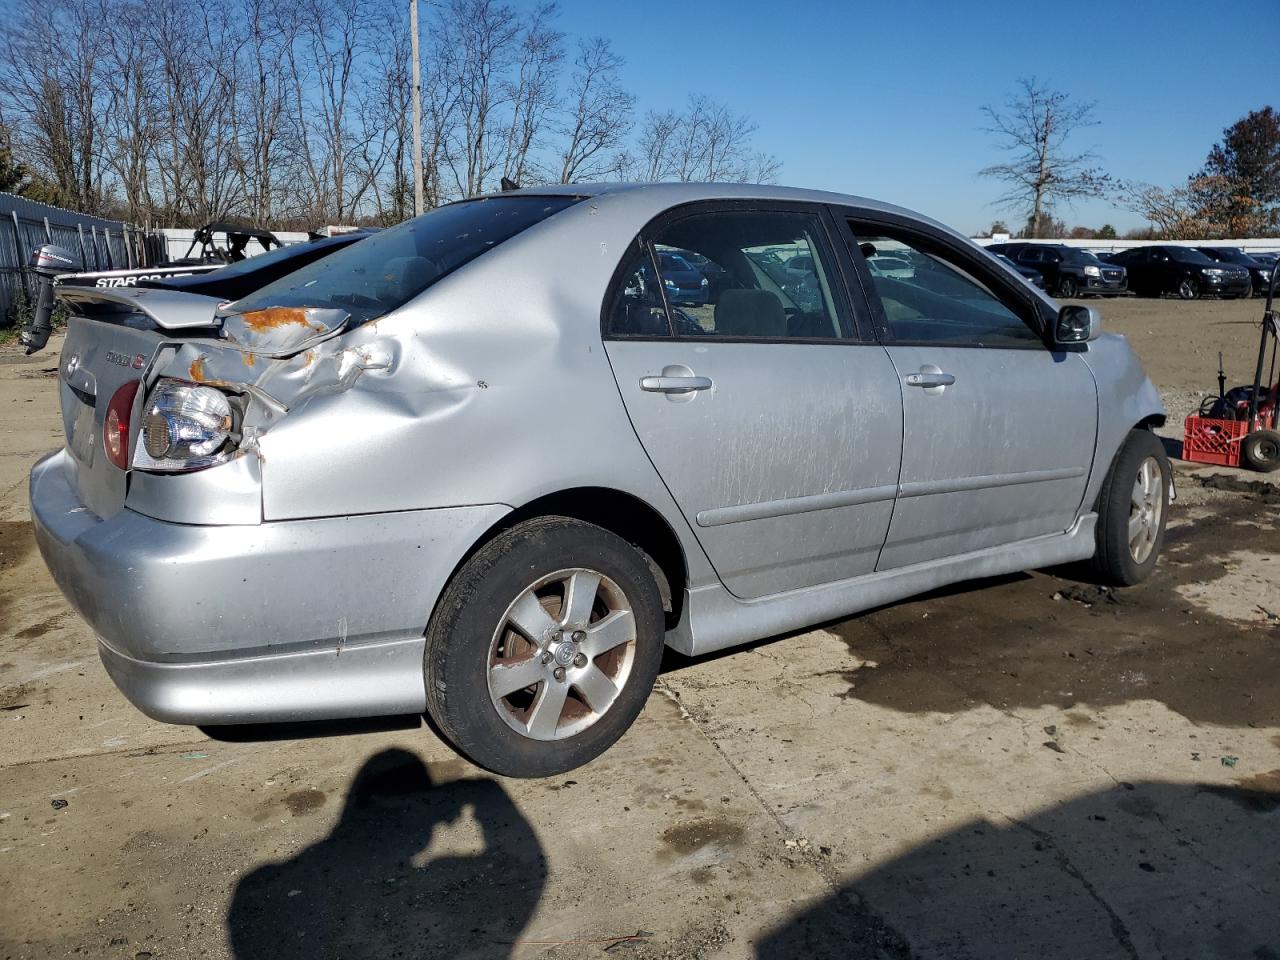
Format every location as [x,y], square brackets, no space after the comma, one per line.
[1076,325]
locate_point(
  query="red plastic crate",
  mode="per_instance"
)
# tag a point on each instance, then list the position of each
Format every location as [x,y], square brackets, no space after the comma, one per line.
[1209,440]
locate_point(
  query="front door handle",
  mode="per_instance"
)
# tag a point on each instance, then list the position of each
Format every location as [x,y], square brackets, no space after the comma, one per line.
[674,384]
[929,379]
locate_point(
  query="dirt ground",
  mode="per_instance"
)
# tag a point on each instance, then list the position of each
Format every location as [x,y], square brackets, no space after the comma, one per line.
[1030,766]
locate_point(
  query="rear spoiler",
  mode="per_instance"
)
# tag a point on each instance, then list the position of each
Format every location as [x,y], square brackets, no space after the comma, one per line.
[167,309]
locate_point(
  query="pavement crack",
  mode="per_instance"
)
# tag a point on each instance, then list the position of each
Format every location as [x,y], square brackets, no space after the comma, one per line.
[1118,929]
[135,751]
[893,944]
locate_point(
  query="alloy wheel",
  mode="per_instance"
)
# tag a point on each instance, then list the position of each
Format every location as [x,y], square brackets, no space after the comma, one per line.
[561,654]
[1146,509]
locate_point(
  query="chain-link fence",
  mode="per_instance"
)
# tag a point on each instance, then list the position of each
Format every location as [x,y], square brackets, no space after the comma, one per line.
[101,245]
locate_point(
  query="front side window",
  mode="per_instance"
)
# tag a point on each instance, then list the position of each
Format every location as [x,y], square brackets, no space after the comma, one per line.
[388,269]
[763,275]
[938,300]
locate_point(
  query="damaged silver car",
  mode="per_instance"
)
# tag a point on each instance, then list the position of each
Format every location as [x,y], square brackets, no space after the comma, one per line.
[486,464]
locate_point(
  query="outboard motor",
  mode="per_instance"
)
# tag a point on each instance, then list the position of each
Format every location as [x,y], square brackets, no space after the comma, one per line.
[47,262]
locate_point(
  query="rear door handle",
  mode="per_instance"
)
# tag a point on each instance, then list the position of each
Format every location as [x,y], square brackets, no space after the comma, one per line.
[929,379]
[674,384]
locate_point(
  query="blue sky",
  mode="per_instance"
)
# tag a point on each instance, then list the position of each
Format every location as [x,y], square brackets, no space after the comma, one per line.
[882,99]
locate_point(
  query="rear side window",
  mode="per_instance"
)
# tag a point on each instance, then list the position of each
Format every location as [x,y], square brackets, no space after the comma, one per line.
[390,268]
[638,308]
[739,275]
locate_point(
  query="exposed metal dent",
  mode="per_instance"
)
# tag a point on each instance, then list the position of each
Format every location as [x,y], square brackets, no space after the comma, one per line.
[282,331]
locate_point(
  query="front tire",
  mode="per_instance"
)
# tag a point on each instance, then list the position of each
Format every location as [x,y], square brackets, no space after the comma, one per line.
[544,648]
[1188,289]
[1132,509]
[1068,288]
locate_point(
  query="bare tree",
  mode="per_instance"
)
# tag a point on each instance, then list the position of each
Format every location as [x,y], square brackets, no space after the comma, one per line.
[1034,126]
[129,121]
[599,114]
[706,142]
[334,37]
[199,169]
[656,146]
[297,113]
[485,36]
[52,89]
[262,117]
[532,90]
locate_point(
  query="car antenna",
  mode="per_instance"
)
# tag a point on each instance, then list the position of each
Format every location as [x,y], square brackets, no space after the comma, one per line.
[509,184]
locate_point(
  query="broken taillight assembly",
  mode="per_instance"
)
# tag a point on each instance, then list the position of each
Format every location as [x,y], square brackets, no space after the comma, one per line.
[115,428]
[185,426]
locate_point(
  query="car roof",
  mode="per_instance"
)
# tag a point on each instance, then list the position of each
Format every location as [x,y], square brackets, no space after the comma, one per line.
[666,195]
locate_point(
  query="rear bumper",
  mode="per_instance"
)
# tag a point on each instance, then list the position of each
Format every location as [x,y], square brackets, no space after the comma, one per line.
[366,680]
[301,619]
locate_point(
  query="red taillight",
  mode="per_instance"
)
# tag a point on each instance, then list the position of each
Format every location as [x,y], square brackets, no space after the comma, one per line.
[115,428]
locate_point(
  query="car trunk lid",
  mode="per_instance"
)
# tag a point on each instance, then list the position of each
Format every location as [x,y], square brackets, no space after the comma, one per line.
[111,341]
[97,360]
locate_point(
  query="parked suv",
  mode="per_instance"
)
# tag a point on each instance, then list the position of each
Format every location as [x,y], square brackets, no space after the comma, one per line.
[1259,271]
[484,465]
[1184,271]
[1067,271]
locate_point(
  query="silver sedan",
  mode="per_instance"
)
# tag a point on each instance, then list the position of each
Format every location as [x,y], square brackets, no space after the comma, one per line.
[487,463]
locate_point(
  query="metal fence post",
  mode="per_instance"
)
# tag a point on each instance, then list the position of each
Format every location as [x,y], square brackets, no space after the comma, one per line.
[21,255]
[84,259]
[48,234]
[93,231]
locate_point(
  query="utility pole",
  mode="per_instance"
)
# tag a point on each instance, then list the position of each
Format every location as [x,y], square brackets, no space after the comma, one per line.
[417,110]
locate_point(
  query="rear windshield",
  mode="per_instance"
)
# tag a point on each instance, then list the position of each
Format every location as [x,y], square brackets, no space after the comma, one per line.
[390,268]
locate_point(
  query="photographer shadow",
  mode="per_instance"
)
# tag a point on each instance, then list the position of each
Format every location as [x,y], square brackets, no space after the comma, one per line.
[371,888]
[1138,870]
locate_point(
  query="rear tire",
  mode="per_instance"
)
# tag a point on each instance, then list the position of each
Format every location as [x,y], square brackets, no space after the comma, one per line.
[510,614]
[1133,506]
[1260,451]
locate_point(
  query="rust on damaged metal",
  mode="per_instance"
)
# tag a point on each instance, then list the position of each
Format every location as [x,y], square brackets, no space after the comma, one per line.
[260,321]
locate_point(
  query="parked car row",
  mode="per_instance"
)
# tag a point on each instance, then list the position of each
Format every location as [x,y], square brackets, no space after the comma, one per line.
[1187,272]
[1152,271]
